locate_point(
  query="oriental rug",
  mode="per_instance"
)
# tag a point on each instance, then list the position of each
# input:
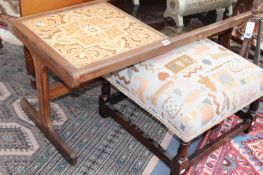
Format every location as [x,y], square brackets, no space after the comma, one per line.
[241,156]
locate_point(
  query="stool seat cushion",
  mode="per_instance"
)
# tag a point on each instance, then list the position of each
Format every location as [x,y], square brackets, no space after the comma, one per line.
[192,88]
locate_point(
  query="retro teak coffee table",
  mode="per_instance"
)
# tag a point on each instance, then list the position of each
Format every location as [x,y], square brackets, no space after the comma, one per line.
[79,44]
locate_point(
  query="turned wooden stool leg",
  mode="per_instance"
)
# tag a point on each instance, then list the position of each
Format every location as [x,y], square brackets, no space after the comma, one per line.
[42,118]
[253,108]
[105,93]
[180,161]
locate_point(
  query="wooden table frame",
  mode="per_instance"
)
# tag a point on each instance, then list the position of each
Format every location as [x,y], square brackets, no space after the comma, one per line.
[74,78]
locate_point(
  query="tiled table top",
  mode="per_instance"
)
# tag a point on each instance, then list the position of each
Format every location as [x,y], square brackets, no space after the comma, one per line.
[91,33]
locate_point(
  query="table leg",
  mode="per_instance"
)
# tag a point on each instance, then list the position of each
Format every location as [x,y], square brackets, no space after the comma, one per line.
[1,45]
[225,39]
[2,24]
[42,117]
[30,68]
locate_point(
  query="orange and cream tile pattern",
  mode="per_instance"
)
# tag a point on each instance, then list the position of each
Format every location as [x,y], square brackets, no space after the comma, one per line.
[92,33]
[192,88]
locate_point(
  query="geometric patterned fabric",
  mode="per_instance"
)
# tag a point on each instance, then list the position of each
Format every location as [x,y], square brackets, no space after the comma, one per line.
[57,114]
[91,33]
[192,88]
[4,93]
[16,139]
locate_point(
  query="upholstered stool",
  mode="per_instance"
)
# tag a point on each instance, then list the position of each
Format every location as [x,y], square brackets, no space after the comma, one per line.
[192,88]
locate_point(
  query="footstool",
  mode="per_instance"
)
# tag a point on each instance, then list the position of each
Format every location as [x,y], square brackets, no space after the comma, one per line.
[189,90]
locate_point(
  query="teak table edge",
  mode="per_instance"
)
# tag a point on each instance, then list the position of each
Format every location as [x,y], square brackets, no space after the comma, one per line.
[73,77]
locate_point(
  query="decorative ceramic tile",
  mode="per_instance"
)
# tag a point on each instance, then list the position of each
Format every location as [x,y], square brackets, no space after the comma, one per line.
[17,140]
[4,93]
[92,33]
[58,115]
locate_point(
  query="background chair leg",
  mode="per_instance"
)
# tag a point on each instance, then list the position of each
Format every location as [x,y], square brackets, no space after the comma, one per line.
[105,94]
[180,161]
[225,39]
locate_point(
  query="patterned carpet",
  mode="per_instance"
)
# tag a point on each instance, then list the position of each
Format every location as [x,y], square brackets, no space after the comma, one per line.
[241,156]
[103,147]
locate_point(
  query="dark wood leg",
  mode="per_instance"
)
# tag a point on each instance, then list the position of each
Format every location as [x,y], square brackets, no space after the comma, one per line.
[225,38]
[42,117]
[180,161]
[105,94]
[2,15]
[253,108]
[30,68]
[2,24]
[1,46]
